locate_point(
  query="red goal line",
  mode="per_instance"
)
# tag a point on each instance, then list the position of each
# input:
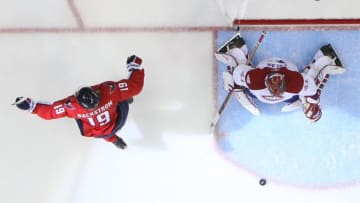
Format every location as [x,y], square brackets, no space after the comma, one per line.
[321,23]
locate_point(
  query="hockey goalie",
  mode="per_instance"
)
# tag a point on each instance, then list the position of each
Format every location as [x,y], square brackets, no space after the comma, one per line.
[276,80]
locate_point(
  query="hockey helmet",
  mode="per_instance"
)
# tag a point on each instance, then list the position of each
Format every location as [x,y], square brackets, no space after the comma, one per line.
[87,97]
[275,82]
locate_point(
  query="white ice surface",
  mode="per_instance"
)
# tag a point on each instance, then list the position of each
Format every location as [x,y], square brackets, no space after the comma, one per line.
[171,156]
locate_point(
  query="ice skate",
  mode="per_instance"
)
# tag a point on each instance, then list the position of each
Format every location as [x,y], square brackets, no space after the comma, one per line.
[130,100]
[336,67]
[120,143]
[327,50]
[326,62]
[235,41]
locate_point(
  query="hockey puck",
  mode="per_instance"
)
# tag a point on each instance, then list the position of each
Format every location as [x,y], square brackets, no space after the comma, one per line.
[262,182]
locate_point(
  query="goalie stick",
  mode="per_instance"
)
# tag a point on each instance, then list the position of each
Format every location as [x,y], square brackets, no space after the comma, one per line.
[228,96]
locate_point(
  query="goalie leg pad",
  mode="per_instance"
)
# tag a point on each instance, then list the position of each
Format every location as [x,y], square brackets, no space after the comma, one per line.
[326,61]
[247,102]
[335,67]
[226,59]
[228,81]
[233,57]
[323,66]
[332,70]
[233,52]
[239,55]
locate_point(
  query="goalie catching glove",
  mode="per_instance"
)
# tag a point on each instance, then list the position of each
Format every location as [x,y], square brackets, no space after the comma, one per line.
[311,108]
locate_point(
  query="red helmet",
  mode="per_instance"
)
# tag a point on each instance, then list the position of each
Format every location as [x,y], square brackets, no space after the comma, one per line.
[275,82]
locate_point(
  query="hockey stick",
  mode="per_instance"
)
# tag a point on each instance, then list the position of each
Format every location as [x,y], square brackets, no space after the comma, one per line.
[228,96]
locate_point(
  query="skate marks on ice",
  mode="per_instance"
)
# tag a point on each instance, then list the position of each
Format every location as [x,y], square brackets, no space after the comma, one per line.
[285,147]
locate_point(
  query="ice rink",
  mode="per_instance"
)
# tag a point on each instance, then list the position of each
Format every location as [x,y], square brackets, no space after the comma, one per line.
[285,147]
[50,48]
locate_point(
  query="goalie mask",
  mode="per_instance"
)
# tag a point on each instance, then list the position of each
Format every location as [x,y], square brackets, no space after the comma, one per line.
[87,98]
[275,82]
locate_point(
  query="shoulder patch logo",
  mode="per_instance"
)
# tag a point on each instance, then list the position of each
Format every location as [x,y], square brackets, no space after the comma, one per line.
[68,105]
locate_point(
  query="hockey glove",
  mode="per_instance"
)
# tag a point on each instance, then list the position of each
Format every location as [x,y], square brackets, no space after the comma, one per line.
[312,108]
[133,63]
[312,112]
[24,103]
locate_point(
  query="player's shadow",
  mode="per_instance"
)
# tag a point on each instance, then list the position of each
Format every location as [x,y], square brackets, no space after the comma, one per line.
[176,105]
[158,119]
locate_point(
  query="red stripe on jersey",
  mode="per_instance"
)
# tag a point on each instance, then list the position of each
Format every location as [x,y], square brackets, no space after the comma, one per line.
[255,79]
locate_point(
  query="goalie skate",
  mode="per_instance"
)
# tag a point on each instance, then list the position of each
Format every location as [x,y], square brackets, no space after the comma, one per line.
[333,68]
[235,41]
[325,62]
[327,50]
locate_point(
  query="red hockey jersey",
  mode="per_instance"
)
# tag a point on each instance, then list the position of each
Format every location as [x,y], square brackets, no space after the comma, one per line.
[101,120]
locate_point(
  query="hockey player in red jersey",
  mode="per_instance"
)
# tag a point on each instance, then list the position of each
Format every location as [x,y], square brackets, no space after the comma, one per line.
[100,110]
[277,80]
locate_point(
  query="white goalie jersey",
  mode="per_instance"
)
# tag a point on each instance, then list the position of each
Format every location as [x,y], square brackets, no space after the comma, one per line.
[254,79]
[277,80]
